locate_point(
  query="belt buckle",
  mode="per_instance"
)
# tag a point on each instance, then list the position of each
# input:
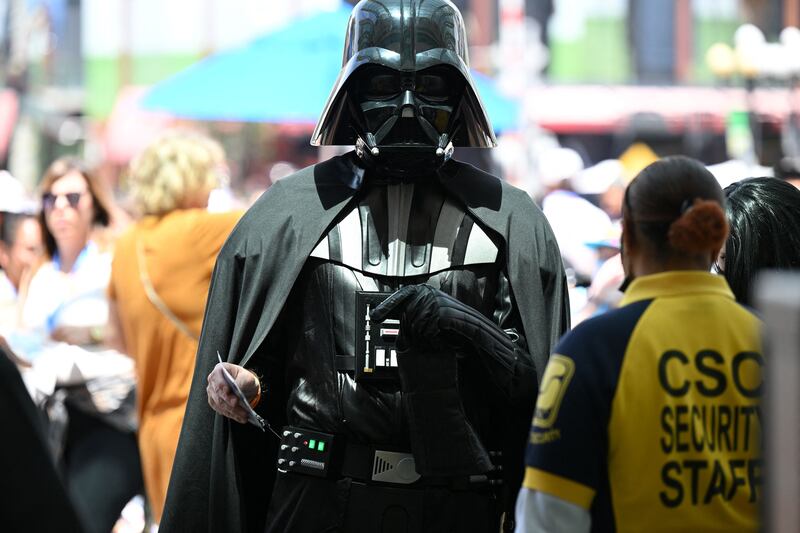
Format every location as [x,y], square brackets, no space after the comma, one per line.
[394,467]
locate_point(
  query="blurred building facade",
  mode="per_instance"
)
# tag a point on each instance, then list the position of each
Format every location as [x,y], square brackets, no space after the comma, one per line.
[66,62]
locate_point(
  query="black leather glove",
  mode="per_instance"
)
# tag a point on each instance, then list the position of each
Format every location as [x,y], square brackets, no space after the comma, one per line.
[442,439]
[431,320]
[425,363]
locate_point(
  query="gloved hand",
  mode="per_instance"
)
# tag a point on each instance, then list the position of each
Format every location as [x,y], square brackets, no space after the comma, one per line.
[432,319]
[425,362]
[429,379]
[434,322]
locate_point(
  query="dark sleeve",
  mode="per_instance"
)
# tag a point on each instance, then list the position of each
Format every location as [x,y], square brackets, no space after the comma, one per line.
[519,394]
[516,377]
[32,497]
[538,280]
[568,442]
[556,294]
[567,433]
[555,290]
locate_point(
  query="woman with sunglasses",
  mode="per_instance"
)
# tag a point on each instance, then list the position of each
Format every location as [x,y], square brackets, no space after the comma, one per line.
[648,416]
[67,302]
[66,298]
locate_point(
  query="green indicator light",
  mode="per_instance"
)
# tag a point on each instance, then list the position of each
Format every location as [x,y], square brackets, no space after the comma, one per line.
[321,446]
[312,444]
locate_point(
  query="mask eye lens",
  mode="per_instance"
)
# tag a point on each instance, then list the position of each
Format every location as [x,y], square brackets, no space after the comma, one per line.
[381,87]
[432,86]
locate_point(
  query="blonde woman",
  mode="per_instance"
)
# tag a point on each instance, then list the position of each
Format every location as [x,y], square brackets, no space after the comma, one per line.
[160,277]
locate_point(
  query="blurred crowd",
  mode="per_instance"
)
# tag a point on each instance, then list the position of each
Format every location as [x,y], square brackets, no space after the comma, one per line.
[101,310]
[584,207]
[101,307]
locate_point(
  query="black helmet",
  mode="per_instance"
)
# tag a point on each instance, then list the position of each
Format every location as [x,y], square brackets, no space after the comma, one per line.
[405,86]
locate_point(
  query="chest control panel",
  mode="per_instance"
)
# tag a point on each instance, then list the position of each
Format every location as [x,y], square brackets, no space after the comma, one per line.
[376,351]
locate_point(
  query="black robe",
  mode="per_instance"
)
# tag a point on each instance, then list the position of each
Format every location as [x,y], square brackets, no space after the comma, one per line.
[224,471]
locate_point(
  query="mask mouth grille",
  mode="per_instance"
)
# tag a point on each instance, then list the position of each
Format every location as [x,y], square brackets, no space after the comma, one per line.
[407,130]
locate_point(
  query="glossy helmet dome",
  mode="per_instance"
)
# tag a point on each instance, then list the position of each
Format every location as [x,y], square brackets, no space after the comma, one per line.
[405,86]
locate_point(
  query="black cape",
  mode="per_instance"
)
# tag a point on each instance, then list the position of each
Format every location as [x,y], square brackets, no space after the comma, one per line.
[223,471]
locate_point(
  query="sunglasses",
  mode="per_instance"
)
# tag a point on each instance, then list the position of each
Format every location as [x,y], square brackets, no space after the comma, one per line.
[49,199]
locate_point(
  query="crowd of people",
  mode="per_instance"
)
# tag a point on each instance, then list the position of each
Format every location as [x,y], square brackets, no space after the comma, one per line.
[584,207]
[104,323]
[398,312]
[75,303]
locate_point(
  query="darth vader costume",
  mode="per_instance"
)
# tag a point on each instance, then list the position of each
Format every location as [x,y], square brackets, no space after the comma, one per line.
[397,305]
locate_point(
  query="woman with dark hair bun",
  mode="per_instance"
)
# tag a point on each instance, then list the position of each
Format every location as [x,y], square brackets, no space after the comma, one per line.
[647,416]
[764,217]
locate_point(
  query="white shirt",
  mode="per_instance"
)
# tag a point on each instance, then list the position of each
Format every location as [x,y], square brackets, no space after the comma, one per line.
[76,298]
[575,222]
[8,305]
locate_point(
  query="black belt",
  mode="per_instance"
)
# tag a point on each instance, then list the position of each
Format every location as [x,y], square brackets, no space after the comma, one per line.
[367,464]
[314,453]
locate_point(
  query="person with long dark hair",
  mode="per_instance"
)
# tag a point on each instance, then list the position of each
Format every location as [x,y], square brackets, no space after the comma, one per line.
[764,218]
[647,417]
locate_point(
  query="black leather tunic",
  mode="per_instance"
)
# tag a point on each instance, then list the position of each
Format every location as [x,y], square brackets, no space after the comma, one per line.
[394,235]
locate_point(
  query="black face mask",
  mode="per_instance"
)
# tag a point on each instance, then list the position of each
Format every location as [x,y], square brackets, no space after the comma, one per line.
[398,54]
[407,119]
[403,164]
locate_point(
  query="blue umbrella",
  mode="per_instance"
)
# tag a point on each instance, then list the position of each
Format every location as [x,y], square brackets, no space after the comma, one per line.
[284,76]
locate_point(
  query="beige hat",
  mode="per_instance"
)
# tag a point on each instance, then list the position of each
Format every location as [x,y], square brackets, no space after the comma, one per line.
[557,165]
[598,178]
[13,198]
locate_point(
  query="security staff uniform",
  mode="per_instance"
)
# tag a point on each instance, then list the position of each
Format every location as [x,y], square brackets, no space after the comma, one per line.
[648,416]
